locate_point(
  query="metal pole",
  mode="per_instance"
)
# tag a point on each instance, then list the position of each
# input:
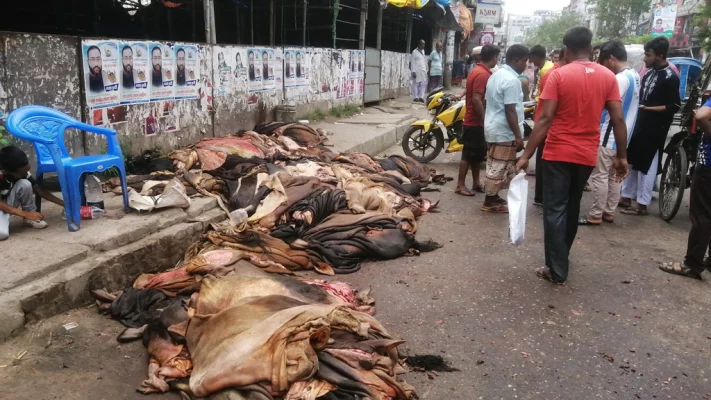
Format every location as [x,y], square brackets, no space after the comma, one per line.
[251,19]
[208,23]
[271,22]
[363,19]
[306,5]
[213,29]
[379,40]
[408,19]
[238,25]
[194,12]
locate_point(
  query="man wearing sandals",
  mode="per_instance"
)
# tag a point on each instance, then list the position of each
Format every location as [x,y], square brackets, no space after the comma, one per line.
[573,100]
[659,101]
[503,124]
[604,179]
[699,207]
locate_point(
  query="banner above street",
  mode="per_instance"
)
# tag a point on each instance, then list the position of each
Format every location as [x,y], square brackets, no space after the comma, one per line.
[488,13]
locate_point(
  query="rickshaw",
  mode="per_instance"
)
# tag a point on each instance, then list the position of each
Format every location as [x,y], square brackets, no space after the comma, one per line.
[682,149]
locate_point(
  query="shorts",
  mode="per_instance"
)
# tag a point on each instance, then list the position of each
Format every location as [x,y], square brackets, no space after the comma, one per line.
[474,143]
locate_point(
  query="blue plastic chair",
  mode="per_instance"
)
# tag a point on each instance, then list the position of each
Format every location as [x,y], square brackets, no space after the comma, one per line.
[45,128]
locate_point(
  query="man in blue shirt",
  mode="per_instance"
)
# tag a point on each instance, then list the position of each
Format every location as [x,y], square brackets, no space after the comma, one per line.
[699,206]
[503,124]
[435,64]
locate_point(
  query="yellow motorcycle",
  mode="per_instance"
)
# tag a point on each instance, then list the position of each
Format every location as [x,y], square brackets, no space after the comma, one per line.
[424,140]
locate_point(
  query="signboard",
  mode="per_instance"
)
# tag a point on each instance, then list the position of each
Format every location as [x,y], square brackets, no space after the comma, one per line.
[487,37]
[664,18]
[487,13]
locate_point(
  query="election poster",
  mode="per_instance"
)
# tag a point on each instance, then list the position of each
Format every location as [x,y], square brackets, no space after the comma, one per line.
[162,71]
[256,70]
[357,64]
[279,68]
[187,71]
[135,65]
[223,71]
[240,75]
[101,73]
[296,68]
[664,17]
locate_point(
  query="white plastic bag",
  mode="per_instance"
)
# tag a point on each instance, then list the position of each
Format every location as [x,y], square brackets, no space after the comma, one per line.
[518,200]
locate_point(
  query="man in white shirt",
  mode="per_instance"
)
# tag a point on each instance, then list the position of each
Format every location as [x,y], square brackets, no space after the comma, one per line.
[418,66]
[604,181]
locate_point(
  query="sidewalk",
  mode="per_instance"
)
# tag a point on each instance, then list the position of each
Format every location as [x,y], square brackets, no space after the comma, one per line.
[52,270]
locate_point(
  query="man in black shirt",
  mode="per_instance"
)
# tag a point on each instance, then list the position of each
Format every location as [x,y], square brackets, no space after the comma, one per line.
[17,191]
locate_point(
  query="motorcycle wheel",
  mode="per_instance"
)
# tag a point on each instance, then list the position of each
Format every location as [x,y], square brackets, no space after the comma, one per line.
[421,145]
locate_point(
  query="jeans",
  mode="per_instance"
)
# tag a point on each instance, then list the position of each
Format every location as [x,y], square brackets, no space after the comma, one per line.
[700,214]
[561,206]
[21,196]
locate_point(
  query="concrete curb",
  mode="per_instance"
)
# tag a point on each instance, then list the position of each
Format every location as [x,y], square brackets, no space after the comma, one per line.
[115,265]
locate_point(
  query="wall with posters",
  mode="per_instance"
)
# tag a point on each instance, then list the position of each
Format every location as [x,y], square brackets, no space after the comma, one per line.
[394,75]
[154,94]
[43,70]
[249,84]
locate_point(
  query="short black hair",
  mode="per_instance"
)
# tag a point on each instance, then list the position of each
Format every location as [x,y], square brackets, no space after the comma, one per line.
[92,48]
[489,52]
[179,50]
[556,51]
[660,20]
[126,47]
[613,48]
[516,52]
[157,48]
[578,38]
[538,51]
[12,158]
[659,45]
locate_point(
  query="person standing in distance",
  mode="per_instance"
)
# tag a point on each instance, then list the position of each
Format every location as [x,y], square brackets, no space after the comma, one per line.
[418,66]
[435,64]
[573,100]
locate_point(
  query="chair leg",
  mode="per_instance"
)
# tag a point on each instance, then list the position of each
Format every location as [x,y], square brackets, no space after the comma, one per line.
[124,189]
[71,205]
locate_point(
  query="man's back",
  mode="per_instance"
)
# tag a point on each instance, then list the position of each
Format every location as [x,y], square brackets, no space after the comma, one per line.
[629,83]
[581,89]
[476,83]
[503,88]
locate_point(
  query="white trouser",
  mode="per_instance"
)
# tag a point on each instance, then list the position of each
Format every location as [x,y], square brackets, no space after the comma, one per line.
[638,186]
[418,89]
[20,196]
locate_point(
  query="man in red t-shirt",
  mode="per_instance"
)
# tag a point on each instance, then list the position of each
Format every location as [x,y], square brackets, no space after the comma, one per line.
[538,193]
[473,139]
[574,98]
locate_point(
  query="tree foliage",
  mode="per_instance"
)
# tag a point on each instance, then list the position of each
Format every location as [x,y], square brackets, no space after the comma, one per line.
[614,16]
[702,29]
[550,33]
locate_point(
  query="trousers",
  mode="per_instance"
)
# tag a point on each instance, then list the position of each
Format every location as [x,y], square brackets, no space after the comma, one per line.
[639,186]
[435,82]
[561,206]
[21,195]
[606,190]
[538,194]
[418,89]
[700,213]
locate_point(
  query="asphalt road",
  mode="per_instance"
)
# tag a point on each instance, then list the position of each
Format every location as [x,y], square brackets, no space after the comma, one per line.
[619,329]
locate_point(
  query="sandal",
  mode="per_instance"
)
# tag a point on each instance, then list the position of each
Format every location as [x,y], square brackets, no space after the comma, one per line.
[586,221]
[587,188]
[478,189]
[545,273]
[464,192]
[496,209]
[609,218]
[682,270]
[635,211]
[624,204]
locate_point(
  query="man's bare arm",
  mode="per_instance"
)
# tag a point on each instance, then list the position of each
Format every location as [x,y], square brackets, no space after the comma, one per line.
[6,208]
[619,127]
[703,119]
[478,102]
[48,196]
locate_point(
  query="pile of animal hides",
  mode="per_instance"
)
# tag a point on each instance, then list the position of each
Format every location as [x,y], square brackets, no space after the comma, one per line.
[232,321]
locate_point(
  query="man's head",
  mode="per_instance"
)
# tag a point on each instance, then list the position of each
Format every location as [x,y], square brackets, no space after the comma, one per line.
[555,55]
[438,47]
[14,161]
[595,53]
[476,54]
[538,55]
[127,58]
[238,59]
[517,57]
[265,59]
[157,59]
[561,58]
[93,55]
[577,43]
[655,52]
[180,60]
[421,45]
[658,23]
[613,56]
[250,57]
[489,55]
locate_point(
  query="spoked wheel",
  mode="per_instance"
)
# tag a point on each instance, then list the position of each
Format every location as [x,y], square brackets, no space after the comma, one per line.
[673,184]
[421,145]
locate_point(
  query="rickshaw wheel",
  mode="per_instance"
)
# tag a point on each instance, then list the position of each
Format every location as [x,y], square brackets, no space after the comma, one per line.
[673,183]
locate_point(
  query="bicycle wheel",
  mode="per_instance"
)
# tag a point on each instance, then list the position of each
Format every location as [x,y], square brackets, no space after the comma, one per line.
[673,183]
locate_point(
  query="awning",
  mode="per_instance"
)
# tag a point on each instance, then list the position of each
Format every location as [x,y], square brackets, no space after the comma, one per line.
[439,16]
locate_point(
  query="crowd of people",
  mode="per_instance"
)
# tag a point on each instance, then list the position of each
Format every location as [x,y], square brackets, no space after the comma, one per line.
[599,126]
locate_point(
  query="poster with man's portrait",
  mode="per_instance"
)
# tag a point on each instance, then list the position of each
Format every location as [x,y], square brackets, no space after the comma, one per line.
[268,78]
[187,71]
[135,68]
[256,69]
[162,77]
[100,60]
